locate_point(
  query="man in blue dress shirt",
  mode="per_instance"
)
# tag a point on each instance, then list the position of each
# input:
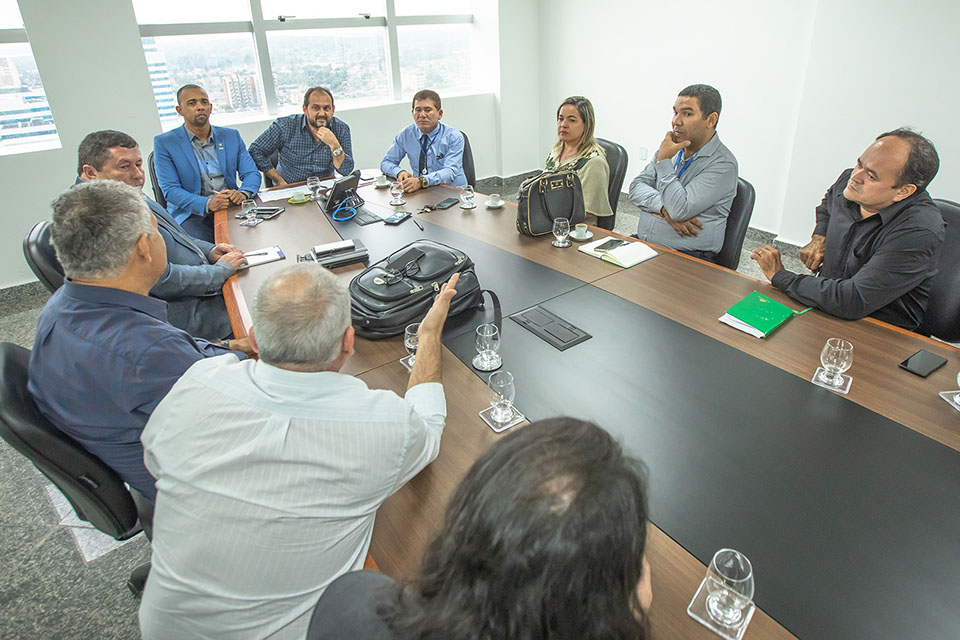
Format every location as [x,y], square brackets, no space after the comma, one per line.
[197,165]
[196,270]
[434,150]
[313,144]
[105,355]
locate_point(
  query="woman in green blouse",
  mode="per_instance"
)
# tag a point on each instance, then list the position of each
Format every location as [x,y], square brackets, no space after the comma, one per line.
[577,150]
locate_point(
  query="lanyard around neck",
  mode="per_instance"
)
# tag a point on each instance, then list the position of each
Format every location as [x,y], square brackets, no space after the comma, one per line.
[686,164]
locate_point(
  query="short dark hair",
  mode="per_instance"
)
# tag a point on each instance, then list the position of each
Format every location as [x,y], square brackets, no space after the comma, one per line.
[551,517]
[188,86]
[707,97]
[426,94]
[95,148]
[922,164]
[311,90]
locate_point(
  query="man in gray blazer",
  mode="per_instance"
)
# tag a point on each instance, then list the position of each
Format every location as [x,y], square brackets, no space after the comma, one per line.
[196,270]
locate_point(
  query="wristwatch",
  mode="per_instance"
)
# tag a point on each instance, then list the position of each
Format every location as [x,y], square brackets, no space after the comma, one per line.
[337,152]
[225,344]
[423,182]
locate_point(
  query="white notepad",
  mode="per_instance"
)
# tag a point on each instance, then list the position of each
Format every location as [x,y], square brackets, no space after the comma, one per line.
[263,256]
[626,255]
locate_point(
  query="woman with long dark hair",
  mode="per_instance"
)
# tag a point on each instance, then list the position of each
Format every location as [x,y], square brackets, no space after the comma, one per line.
[544,538]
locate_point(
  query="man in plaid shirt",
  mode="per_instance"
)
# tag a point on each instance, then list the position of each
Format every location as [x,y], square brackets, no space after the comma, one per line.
[313,144]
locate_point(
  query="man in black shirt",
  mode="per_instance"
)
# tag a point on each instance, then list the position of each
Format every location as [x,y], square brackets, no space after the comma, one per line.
[876,244]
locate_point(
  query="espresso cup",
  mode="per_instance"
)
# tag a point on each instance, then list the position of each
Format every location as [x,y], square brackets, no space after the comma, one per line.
[580,230]
[382,180]
[495,199]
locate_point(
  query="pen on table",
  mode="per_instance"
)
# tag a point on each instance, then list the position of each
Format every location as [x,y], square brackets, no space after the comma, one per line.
[256,253]
[417,223]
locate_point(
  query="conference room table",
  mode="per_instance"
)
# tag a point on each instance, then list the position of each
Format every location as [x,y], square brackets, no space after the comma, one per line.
[847,505]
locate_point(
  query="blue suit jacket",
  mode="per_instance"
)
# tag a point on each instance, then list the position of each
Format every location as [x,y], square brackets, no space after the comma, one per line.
[178,171]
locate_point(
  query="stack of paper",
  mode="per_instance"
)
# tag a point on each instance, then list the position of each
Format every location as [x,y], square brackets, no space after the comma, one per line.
[758,315]
[626,255]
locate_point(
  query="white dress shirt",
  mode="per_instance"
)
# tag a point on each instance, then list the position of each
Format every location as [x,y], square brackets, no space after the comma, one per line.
[268,484]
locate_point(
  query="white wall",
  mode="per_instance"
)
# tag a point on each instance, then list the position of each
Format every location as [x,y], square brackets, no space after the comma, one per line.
[631,60]
[874,66]
[95,76]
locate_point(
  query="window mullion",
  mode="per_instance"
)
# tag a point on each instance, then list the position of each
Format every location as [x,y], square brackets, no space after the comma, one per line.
[263,57]
[393,51]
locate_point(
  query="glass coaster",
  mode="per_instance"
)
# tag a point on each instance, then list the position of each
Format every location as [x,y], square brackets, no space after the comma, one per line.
[845,389]
[468,206]
[697,609]
[250,223]
[953,397]
[501,426]
[405,361]
[492,366]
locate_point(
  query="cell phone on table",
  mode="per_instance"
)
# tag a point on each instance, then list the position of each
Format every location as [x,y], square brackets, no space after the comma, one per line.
[262,212]
[923,363]
[609,245]
[446,204]
[397,218]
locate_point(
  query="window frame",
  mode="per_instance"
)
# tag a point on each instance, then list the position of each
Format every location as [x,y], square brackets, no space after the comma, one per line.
[259,28]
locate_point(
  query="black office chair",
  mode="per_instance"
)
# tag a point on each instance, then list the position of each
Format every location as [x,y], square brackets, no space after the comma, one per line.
[737,224]
[95,491]
[41,256]
[469,169]
[274,159]
[617,160]
[157,193]
[942,318]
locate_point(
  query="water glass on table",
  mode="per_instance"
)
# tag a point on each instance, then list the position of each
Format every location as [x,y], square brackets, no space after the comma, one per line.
[502,394]
[249,215]
[953,397]
[313,183]
[724,601]
[836,357]
[561,229]
[466,197]
[396,190]
[488,346]
[411,338]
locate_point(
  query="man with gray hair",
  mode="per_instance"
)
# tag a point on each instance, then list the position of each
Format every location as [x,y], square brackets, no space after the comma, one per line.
[104,353]
[270,473]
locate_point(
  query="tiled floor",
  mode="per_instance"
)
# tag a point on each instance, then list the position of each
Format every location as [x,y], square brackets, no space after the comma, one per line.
[58,578]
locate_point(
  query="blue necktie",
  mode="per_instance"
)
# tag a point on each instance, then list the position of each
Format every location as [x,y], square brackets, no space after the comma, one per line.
[423,154]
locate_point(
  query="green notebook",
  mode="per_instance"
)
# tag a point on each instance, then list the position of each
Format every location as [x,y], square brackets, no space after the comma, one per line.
[758,315]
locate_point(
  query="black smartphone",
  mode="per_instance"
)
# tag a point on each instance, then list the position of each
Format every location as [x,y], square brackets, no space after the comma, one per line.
[401,261]
[397,218]
[609,245]
[446,204]
[923,363]
[262,212]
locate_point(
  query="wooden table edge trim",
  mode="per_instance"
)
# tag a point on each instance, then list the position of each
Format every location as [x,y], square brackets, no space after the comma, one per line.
[880,323]
[237,310]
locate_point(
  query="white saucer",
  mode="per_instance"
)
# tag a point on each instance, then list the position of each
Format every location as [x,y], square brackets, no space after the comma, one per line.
[586,236]
[491,205]
[381,186]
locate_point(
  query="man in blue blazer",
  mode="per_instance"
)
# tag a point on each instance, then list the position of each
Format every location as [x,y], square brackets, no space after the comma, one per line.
[197,165]
[196,270]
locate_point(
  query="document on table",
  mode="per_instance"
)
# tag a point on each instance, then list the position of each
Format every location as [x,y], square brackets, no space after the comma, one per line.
[289,192]
[263,256]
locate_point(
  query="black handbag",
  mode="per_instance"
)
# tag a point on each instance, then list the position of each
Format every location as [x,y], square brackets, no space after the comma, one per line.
[400,289]
[552,194]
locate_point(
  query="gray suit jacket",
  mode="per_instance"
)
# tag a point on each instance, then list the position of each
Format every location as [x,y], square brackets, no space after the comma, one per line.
[190,285]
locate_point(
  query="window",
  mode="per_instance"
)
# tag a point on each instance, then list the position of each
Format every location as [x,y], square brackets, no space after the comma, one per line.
[256,58]
[26,122]
[225,65]
[435,57]
[352,63]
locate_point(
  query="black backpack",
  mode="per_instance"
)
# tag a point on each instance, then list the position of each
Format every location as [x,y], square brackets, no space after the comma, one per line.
[400,289]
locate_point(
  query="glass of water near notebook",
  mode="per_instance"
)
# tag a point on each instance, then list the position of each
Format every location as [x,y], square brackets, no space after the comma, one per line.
[758,315]
[622,253]
[501,414]
[953,397]
[724,601]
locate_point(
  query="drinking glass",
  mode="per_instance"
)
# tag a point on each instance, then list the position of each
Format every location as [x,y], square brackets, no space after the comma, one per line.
[313,183]
[466,197]
[488,344]
[836,357]
[729,586]
[502,393]
[396,190]
[410,340]
[561,229]
[250,218]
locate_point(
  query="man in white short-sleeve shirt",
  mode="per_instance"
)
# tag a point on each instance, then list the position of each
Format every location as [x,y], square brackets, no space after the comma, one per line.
[270,472]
